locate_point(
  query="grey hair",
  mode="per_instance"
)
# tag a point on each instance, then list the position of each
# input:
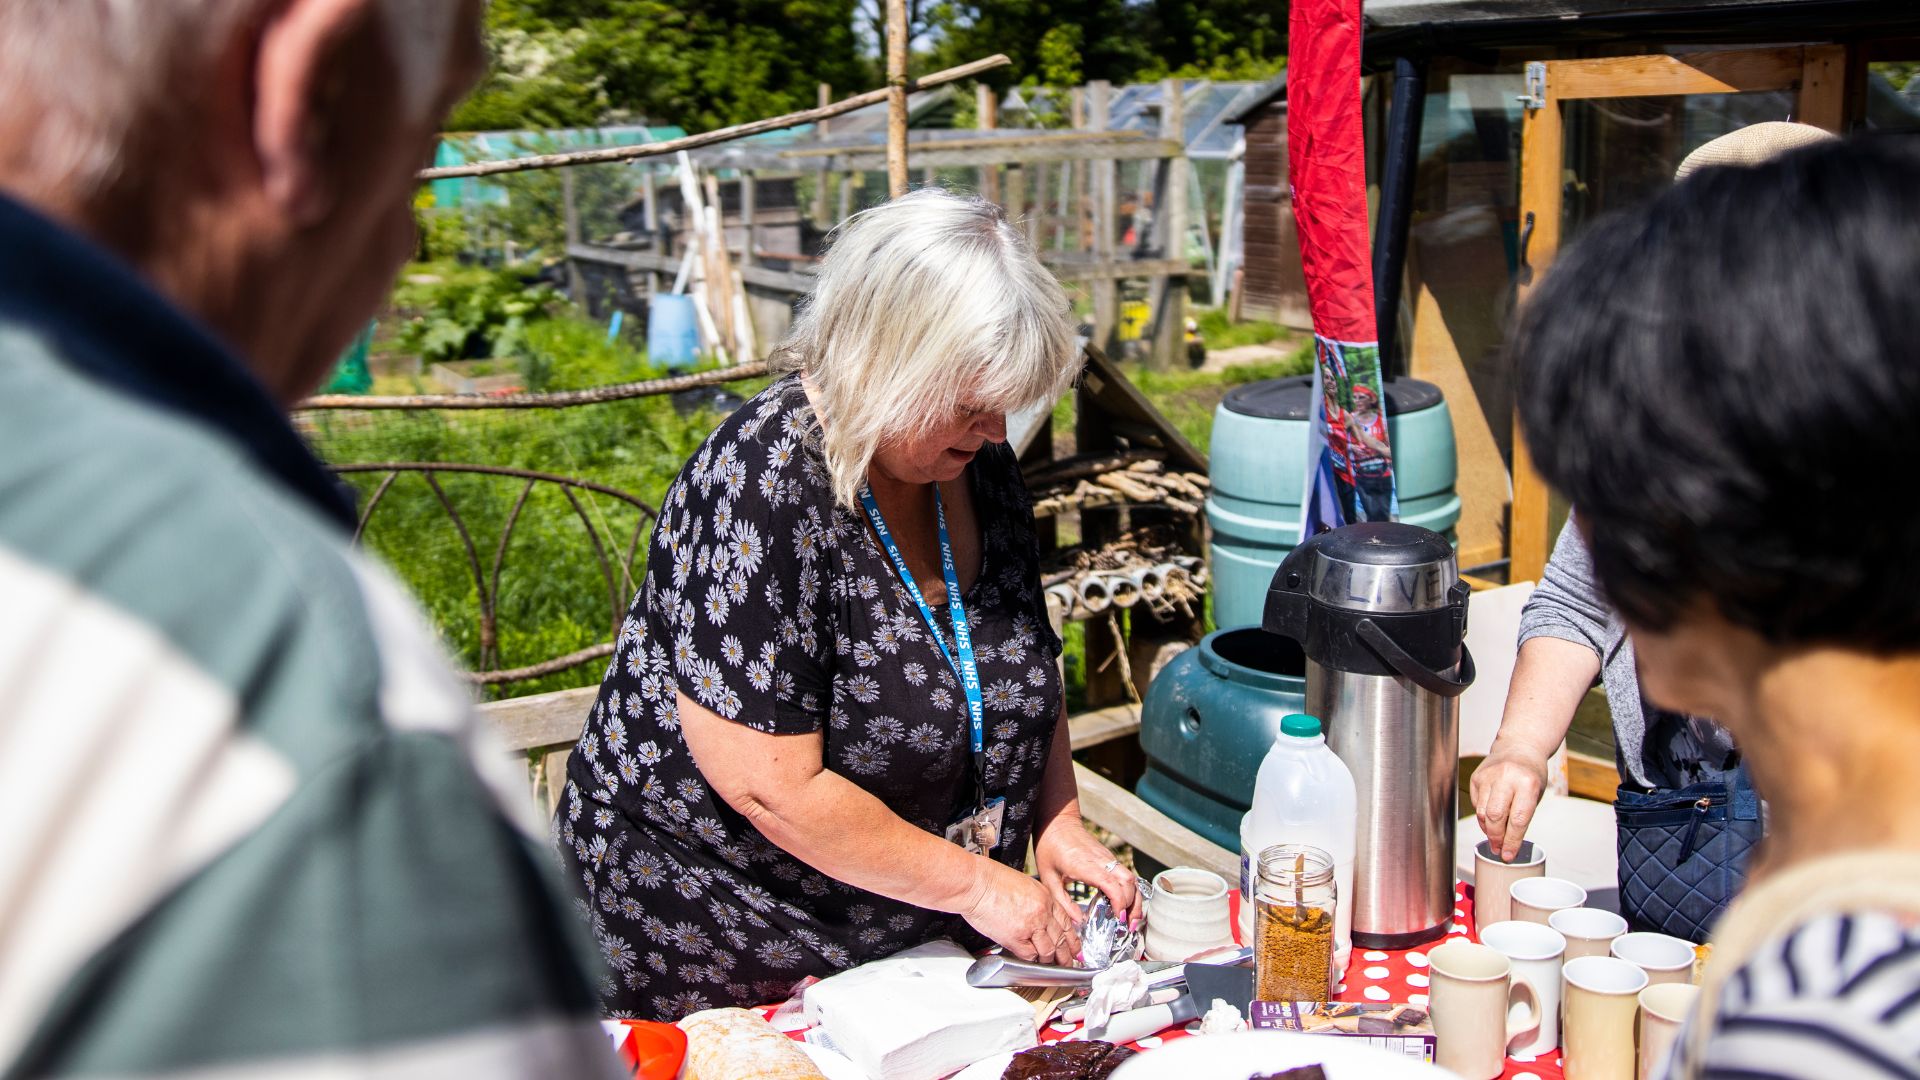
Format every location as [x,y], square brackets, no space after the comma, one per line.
[924,306]
[99,71]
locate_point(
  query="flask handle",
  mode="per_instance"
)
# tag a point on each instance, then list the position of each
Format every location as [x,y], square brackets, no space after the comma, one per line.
[1419,674]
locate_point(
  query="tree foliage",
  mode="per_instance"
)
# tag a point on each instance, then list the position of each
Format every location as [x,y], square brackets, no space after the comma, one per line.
[698,63]
[706,63]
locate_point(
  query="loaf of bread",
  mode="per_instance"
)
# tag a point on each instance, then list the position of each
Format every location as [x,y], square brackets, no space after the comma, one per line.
[731,1044]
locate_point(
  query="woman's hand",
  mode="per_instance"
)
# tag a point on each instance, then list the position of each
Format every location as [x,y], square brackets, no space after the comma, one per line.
[1506,790]
[1020,915]
[1065,851]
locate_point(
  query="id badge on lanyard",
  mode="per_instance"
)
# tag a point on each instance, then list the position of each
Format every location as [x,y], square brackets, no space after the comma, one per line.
[978,830]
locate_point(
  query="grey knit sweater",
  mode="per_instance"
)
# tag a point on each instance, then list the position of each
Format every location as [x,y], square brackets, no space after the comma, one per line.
[1567,604]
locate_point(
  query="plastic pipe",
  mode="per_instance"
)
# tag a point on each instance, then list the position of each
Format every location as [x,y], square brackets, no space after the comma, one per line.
[1063,598]
[1094,594]
[1153,582]
[1124,588]
[1170,573]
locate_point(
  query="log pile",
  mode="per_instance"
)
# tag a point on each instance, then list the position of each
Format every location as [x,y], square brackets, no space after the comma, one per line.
[1139,480]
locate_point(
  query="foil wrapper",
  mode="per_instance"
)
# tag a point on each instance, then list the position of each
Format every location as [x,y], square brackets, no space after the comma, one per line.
[1105,939]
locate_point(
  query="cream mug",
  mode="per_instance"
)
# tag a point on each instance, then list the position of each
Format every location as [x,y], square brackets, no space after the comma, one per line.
[1663,1009]
[1537,898]
[1471,998]
[1492,878]
[1589,931]
[1665,959]
[1602,1000]
[1187,914]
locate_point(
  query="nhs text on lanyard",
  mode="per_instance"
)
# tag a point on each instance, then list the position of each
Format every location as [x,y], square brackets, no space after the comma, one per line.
[979,830]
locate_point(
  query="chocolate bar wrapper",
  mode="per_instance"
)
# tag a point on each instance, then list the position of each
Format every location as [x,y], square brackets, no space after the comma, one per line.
[1398,1028]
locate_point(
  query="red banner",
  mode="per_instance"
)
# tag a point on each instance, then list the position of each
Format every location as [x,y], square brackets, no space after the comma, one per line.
[1350,461]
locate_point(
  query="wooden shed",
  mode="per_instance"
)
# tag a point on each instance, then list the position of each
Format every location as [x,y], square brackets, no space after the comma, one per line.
[1271,285]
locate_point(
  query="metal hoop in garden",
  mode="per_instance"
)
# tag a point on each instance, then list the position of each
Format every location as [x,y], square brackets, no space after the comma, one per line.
[486,579]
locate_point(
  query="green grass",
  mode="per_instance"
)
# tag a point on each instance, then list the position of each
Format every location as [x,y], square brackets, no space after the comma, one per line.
[1188,398]
[1221,332]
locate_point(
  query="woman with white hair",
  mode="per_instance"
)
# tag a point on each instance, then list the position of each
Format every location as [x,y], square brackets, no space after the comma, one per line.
[833,721]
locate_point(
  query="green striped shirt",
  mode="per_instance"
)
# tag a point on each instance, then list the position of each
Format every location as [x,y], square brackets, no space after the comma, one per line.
[248,824]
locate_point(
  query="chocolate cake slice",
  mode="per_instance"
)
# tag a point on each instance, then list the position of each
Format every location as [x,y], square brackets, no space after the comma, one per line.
[1304,1072]
[1067,1061]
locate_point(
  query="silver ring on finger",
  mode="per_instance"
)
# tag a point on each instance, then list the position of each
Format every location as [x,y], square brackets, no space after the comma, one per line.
[1110,867]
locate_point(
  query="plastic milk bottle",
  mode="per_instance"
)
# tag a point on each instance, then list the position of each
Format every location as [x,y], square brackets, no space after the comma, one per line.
[1304,795]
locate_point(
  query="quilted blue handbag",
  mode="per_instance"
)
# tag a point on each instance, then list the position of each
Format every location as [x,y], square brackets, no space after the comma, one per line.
[1683,852]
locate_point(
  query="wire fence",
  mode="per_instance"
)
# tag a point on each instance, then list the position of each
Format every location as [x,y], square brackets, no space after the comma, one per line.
[522,527]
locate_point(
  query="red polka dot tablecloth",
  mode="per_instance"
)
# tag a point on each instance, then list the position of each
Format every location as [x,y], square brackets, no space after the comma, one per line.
[1377,975]
[1372,975]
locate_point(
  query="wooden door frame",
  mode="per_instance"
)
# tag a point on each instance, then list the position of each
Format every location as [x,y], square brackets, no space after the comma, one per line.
[1817,72]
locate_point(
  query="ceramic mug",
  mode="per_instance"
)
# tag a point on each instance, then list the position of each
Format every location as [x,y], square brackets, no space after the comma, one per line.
[1472,1001]
[1665,959]
[1535,953]
[1589,931]
[1187,914]
[1535,899]
[1492,878]
[1663,1009]
[1602,1000]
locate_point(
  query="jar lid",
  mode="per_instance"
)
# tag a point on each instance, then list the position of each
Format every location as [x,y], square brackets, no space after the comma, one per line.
[1300,725]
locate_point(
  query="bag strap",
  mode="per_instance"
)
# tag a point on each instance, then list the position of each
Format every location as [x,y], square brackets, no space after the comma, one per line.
[1871,880]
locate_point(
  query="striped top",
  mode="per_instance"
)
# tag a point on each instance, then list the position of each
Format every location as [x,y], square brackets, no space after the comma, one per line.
[1837,998]
[247,824]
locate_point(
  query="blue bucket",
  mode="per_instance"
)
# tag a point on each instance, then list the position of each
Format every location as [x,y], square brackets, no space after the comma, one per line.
[673,332]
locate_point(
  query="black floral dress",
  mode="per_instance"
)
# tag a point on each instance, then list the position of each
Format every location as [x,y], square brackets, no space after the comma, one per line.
[775,609]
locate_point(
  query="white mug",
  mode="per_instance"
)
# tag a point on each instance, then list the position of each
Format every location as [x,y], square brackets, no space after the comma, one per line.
[1535,953]
[1665,959]
[1589,931]
[1534,899]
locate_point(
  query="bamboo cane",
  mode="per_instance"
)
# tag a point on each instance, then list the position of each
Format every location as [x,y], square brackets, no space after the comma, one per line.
[708,138]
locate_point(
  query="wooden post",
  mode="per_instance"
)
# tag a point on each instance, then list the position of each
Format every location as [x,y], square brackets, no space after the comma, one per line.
[821,176]
[1075,201]
[750,243]
[1529,539]
[1168,299]
[1063,207]
[650,217]
[987,106]
[1036,201]
[576,281]
[896,98]
[1823,88]
[1093,433]
[1106,290]
[846,197]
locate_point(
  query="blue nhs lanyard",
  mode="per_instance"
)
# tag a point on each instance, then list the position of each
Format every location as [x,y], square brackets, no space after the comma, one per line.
[964,667]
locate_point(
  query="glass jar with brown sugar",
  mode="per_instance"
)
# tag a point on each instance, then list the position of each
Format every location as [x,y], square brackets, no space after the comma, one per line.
[1293,924]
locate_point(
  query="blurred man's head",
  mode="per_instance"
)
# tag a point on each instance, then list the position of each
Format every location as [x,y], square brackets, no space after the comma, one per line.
[252,158]
[1726,383]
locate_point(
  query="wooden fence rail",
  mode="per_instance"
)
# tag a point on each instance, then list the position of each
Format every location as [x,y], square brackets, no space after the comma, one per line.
[546,726]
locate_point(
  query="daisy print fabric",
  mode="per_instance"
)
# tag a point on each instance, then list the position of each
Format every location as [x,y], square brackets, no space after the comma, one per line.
[775,609]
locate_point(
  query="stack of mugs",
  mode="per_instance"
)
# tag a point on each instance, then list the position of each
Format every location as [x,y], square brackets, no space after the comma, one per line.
[1550,972]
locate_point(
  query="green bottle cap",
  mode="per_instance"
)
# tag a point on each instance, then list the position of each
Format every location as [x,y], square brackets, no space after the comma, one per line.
[1300,725]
